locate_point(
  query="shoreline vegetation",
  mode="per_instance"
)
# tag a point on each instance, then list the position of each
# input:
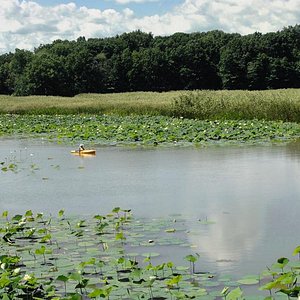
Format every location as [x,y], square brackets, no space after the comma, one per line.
[148,118]
[271,105]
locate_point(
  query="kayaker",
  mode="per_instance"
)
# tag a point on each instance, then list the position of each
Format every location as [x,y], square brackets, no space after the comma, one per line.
[81,147]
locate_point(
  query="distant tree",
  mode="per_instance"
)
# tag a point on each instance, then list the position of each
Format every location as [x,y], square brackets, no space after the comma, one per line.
[258,71]
[85,70]
[233,65]
[136,40]
[283,74]
[46,75]
[17,66]
[197,71]
[213,41]
[5,86]
[118,75]
[138,61]
[149,70]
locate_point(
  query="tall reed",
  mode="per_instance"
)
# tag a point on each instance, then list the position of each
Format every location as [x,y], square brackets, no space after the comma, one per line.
[206,105]
[268,105]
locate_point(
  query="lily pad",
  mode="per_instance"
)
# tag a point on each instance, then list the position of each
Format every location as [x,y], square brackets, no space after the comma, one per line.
[248,281]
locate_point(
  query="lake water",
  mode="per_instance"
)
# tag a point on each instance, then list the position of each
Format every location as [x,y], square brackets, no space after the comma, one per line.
[251,193]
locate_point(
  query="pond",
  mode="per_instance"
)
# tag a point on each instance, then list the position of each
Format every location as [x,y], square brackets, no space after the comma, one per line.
[249,196]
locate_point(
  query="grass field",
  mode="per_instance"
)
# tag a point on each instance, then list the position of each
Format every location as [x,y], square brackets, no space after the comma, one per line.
[274,105]
[205,105]
[139,103]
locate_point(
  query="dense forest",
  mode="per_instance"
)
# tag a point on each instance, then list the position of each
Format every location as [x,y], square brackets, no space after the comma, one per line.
[138,61]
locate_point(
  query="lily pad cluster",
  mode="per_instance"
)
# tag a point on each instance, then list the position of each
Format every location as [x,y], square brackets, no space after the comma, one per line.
[146,130]
[283,277]
[104,256]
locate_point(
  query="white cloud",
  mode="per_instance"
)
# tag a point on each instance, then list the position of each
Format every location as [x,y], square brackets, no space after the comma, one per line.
[243,16]
[26,24]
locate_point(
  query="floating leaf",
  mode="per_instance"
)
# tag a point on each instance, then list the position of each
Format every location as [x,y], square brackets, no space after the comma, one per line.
[296,250]
[171,230]
[62,278]
[150,254]
[248,281]
[234,294]
[61,213]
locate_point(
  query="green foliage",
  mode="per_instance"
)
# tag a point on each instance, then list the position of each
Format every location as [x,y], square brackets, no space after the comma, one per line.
[192,259]
[296,250]
[234,105]
[144,130]
[235,294]
[283,277]
[75,267]
[206,105]
[137,61]
[61,213]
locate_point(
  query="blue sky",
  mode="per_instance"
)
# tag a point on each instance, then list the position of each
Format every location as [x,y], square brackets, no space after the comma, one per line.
[141,9]
[26,24]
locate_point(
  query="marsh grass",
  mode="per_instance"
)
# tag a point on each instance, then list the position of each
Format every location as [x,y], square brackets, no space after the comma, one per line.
[138,103]
[270,105]
[205,105]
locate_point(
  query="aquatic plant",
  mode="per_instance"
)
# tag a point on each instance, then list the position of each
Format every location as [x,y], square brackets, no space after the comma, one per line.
[79,267]
[282,277]
[145,130]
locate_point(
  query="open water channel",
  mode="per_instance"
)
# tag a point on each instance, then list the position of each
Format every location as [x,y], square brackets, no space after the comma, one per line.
[251,193]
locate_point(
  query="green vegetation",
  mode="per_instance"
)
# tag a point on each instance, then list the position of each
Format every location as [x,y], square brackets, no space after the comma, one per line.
[70,258]
[139,103]
[270,105]
[274,105]
[145,130]
[138,61]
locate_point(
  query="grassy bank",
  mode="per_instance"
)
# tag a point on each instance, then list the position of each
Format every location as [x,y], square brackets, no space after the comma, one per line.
[225,105]
[155,118]
[273,105]
[139,103]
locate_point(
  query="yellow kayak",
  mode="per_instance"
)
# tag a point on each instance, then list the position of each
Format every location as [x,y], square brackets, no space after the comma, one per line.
[84,152]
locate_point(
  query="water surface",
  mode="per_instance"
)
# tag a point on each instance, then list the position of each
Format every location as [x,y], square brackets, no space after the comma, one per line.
[251,193]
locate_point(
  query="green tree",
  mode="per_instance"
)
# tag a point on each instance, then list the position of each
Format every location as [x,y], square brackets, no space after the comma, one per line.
[120,65]
[5,87]
[233,65]
[149,70]
[136,40]
[283,74]
[20,60]
[138,61]
[46,75]
[258,71]
[85,70]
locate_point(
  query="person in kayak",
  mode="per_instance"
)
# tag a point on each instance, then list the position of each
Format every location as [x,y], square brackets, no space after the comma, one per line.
[81,147]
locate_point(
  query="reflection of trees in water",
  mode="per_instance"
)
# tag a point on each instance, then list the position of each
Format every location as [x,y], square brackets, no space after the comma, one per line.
[293,149]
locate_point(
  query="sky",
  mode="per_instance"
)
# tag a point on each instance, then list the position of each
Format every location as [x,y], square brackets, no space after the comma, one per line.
[27,24]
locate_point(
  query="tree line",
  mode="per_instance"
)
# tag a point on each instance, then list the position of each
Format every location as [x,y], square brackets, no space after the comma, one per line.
[138,61]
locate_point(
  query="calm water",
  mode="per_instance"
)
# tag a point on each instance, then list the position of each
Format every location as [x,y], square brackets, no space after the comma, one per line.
[252,193]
